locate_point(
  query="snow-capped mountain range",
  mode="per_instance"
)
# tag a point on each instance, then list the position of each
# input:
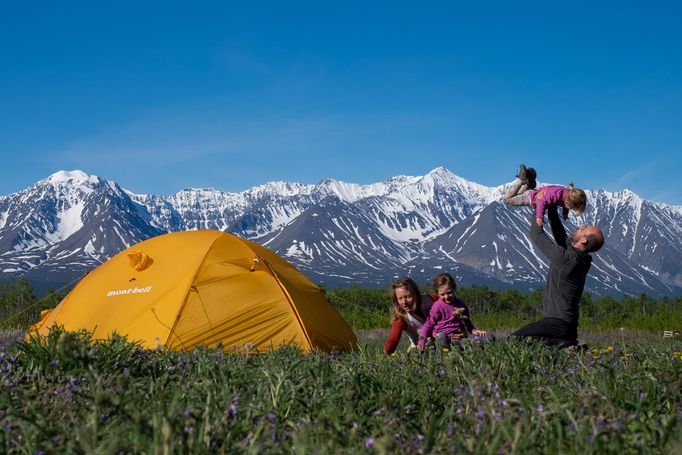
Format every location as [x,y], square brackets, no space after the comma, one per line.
[341,233]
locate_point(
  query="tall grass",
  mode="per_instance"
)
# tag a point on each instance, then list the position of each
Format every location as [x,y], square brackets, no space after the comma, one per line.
[62,394]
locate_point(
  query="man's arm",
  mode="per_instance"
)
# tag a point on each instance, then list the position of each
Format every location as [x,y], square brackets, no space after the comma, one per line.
[558,230]
[550,249]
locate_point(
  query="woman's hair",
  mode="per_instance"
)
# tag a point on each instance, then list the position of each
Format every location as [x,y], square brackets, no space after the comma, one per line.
[443,279]
[405,283]
[576,199]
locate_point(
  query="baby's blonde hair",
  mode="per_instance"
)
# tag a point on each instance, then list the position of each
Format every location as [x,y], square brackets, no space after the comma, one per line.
[576,199]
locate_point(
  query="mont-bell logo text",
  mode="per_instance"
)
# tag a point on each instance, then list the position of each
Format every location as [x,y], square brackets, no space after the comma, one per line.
[129,291]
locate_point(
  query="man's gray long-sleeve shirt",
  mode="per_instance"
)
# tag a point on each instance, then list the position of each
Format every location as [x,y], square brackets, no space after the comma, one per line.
[567,271]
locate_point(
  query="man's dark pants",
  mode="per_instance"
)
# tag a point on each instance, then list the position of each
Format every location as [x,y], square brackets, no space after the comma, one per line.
[551,331]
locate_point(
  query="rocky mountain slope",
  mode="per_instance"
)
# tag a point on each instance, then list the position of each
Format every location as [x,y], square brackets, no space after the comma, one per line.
[340,233]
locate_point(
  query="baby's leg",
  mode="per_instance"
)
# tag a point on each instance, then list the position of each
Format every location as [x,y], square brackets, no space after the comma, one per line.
[516,194]
[519,199]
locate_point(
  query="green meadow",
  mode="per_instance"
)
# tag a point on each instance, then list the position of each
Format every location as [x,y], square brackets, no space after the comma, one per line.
[63,394]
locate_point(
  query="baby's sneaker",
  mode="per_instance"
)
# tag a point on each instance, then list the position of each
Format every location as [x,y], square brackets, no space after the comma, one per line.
[531,176]
[522,175]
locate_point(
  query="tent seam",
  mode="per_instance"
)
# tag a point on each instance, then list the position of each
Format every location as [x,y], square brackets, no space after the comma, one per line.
[187,291]
[289,300]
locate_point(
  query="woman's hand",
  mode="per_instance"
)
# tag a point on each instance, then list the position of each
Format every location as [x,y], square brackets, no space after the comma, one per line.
[479,333]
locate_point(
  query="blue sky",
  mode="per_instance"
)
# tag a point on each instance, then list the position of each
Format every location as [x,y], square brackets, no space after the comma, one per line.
[160,96]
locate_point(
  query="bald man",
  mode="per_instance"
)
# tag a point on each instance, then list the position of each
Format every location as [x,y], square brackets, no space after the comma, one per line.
[570,261]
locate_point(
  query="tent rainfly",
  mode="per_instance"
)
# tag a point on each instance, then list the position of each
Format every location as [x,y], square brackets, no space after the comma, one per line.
[202,288]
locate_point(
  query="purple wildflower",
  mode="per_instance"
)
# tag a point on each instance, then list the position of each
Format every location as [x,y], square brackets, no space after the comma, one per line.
[234,405]
[369,443]
[541,407]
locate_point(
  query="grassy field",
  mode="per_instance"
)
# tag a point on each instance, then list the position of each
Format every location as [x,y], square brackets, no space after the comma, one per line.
[66,396]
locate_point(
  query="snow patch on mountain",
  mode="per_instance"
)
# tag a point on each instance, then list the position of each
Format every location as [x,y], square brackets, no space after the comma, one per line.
[69,222]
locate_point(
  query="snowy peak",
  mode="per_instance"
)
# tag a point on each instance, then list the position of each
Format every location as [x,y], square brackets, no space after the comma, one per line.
[76,178]
[445,178]
[348,192]
[283,189]
[409,189]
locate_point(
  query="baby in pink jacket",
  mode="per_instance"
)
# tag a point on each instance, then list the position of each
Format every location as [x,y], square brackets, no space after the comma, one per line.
[523,192]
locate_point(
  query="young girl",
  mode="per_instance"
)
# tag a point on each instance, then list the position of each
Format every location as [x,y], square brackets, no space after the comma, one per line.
[449,318]
[409,310]
[522,192]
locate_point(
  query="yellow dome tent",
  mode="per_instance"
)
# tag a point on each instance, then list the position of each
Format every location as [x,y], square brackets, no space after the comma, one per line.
[201,288]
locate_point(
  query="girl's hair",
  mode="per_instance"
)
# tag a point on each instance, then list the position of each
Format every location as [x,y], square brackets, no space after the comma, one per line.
[443,279]
[576,199]
[408,284]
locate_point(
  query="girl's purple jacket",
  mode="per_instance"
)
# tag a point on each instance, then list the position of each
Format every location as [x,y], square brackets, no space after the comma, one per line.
[548,196]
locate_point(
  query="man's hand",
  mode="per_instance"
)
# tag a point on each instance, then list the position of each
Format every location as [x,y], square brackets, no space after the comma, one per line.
[479,333]
[539,221]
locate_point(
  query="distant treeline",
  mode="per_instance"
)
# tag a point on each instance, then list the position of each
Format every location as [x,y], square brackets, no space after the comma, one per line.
[366,308]
[492,308]
[19,307]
